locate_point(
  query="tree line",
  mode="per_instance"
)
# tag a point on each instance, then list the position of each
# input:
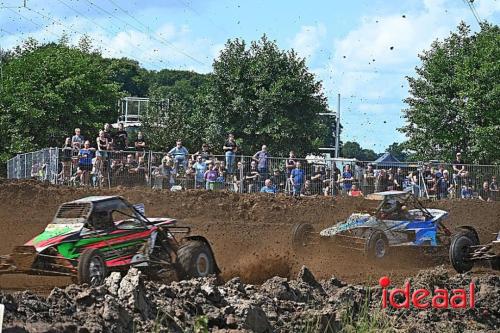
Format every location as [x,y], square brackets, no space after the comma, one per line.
[262,94]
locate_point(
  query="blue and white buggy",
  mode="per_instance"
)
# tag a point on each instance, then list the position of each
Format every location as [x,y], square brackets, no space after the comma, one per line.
[393,224]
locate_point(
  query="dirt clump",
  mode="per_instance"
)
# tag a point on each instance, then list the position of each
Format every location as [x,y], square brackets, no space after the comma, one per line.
[126,303]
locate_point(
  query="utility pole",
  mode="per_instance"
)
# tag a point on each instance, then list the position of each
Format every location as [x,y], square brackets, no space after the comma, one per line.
[335,115]
[337,127]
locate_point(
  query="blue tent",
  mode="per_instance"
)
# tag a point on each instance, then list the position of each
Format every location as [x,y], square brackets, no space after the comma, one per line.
[386,160]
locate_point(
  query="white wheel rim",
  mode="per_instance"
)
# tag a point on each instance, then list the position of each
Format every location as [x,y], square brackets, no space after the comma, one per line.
[380,248]
[96,271]
[202,264]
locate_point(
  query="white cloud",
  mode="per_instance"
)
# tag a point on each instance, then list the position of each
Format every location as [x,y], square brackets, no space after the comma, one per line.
[167,46]
[308,40]
[366,70]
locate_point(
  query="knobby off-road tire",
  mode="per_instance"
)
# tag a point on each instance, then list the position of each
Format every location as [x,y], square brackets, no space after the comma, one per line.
[195,259]
[460,251]
[92,268]
[301,234]
[377,245]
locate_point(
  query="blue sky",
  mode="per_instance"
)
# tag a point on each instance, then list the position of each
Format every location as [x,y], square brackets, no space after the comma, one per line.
[347,44]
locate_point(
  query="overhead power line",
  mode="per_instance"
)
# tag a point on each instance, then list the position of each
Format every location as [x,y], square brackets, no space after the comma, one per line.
[187,5]
[147,30]
[33,22]
[470,4]
[56,21]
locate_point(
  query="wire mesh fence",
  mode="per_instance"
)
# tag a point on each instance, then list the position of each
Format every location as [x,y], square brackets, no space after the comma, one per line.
[250,174]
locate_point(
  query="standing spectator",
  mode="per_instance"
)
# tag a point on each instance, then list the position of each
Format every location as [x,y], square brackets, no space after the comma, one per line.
[459,171]
[289,165]
[140,143]
[443,184]
[121,138]
[381,181]
[332,181]
[317,179]
[262,159]
[102,144]
[359,172]
[77,140]
[205,153]
[252,177]
[211,176]
[390,180]
[347,179]
[108,133]
[180,155]
[66,158]
[190,175]
[297,178]
[85,162]
[238,177]
[163,174]
[355,192]
[97,171]
[485,193]
[399,179]
[494,188]
[230,148]
[200,168]
[269,187]
[369,179]
[222,174]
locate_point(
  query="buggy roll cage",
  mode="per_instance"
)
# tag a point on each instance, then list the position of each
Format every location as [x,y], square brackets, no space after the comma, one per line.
[403,199]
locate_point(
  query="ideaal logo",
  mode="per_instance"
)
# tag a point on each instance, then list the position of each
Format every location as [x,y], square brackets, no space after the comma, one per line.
[423,298]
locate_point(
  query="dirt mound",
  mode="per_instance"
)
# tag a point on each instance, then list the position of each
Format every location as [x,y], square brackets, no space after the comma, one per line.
[125,304]
[250,234]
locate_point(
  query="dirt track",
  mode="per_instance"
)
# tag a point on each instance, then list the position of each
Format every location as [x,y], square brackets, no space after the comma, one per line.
[250,233]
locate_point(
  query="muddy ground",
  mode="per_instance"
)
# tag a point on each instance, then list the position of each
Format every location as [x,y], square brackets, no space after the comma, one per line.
[250,234]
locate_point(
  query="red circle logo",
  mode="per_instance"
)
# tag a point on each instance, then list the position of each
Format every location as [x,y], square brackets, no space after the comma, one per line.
[384,281]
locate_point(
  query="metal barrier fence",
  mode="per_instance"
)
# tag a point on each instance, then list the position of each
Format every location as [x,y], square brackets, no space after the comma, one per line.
[246,174]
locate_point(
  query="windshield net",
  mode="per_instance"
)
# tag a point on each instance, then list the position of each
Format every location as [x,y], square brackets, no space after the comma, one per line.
[73,211]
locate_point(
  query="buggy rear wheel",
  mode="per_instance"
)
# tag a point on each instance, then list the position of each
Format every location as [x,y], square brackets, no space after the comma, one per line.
[92,268]
[460,251]
[377,245]
[195,259]
[301,235]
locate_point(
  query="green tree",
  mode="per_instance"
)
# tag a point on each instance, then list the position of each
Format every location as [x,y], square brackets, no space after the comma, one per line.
[399,151]
[352,149]
[264,95]
[454,102]
[47,91]
[132,78]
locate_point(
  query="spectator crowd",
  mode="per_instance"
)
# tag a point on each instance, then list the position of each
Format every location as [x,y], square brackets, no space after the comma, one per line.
[113,159]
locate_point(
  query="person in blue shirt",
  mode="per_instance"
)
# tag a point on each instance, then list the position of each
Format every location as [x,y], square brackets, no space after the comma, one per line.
[347,178]
[85,156]
[262,159]
[180,155]
[297,178]
[200,167]
[269,187]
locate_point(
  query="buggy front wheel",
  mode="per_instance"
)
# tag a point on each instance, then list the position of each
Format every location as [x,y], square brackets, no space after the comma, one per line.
[92,268]
[301,235]
[460,250]
[195,259]
[377,245]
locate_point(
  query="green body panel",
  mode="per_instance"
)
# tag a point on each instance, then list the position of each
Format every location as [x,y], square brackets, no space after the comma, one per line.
[70,250]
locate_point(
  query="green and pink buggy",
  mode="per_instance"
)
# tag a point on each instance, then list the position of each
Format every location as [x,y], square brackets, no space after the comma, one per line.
[93,236]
